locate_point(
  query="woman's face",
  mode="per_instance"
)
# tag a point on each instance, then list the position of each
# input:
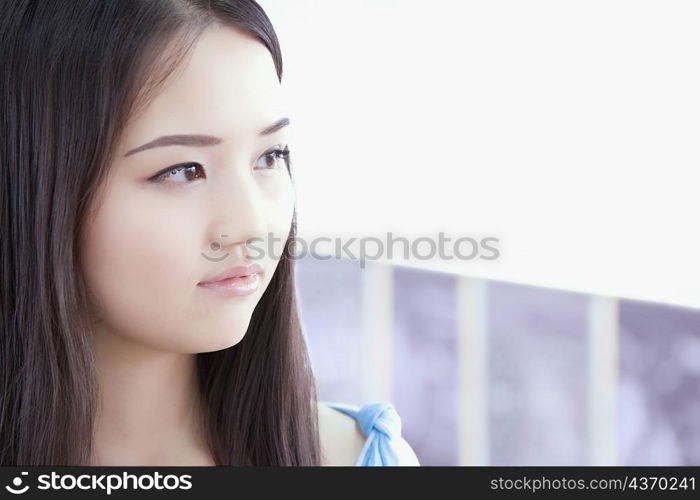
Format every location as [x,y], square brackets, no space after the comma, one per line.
[152,239]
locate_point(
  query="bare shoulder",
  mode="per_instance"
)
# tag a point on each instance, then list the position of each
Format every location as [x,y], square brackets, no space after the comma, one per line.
[406,454]
[342,439]
[341,436]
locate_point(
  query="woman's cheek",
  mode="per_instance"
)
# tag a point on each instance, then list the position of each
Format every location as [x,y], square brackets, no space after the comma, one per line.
[136,260]
[281,209]
[281,197]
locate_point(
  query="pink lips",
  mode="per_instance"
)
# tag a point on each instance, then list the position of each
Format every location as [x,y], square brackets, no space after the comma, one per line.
[239,280]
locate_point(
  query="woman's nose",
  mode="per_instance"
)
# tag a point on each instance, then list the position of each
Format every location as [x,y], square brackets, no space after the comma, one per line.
[240,214]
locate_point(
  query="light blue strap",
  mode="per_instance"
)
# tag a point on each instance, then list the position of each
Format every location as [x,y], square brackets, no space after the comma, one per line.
[381,424]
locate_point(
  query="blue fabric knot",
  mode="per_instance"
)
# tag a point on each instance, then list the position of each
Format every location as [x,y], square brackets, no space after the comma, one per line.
[381,424]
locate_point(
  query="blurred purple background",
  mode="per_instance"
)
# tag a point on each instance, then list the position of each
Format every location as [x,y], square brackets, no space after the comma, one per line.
[537,367]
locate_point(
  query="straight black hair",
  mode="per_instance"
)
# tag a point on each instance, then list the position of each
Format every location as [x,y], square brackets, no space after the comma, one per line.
[73,72]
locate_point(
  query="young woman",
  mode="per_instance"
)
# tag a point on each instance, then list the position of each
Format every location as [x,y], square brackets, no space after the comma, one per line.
[144,145]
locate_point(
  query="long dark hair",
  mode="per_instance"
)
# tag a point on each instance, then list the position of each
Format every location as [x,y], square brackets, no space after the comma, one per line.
[72,73]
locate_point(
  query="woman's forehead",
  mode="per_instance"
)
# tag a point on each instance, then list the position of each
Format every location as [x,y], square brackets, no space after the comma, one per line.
[227,85]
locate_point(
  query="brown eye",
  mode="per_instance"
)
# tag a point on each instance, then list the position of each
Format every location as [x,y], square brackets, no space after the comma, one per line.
[274,159]
[181,174]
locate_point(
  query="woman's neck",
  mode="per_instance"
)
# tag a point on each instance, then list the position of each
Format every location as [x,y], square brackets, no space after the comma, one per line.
[148,409]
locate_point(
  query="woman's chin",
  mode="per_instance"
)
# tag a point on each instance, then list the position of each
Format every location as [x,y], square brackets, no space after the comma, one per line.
[221,337]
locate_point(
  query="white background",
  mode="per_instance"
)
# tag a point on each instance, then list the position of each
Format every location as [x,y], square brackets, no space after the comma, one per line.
[567,129]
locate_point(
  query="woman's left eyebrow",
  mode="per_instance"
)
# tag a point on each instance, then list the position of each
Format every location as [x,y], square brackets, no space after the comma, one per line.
[200,140]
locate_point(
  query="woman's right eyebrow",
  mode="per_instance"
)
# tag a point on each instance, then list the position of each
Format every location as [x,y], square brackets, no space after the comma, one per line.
[178,140]
[199,140]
